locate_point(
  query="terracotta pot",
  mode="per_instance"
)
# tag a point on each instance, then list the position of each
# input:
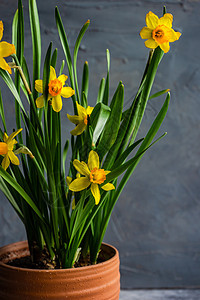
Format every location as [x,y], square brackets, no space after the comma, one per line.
[98,282]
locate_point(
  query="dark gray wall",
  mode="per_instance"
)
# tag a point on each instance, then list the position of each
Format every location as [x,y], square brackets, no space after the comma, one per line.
[155,224]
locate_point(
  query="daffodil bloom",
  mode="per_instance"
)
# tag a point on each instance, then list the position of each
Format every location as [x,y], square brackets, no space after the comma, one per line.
[56,90]
[6,50]
[159,32]
[6,149]
[81,120]
[93,176]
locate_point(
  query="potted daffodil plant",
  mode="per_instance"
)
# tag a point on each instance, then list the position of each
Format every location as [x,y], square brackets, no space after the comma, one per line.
[66,207]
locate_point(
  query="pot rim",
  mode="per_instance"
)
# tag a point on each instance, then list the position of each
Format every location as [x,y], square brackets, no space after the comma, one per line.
[3,251]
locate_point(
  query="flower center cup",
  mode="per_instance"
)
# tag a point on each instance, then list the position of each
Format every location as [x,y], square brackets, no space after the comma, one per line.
[55,87]
[85,120]
[3,148]
[97,176]
[159,35]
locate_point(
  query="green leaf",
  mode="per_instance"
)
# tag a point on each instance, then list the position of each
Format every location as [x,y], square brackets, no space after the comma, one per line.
[101,90]
[36,42]
[106,90]
[111,128]
[85,84]
[54,58]
[76,48]
[98,119]
[6,77]
[2,113]
[7,177]
[65,46]
[159,94]
[65,150]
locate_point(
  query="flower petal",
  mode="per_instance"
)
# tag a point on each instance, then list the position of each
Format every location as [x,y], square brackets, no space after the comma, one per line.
[39,85]
[5,162]
[74,119]
[78,129]
[63,78]
[14,159]
[57,103]
[146,33]
[4,65]
[173,35]
[95,192]
[13,135]
[1,30]
[165,47]
[151,20]
[6,49]
[150,43]
[93,160]
[67,92]
[89,110]
[40,102]
[108,187]
[52,74]
[69,180]
[79,184]
[82,112]
[81,167]
[5,137]
[166,20]
[107,172]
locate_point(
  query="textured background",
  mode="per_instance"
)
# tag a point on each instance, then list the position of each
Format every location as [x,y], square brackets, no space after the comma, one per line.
[155,224]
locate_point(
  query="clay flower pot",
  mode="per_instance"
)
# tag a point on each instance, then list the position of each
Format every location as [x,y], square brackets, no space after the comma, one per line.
[98,282]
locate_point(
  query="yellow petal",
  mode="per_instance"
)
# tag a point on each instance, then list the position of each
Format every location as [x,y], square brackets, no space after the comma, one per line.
[40,102]
[5,137]
[108,187]
[81,167]
[14,159]
[95,192]
[69,180]
[63,78]
[5,162]
[165,47]
[67,92]
[82,112]
[173,35]
[79,184]
[13,135]
[151,20]
[74,119]
[78,129]
[4,65]
[107,172]
[57,103]
[146,33]
[6,49]
[89,110]
[3,148]
[93,160]
[39,85]
[52,73]
[150,43]
[1,30]
[178,34]
[166,20]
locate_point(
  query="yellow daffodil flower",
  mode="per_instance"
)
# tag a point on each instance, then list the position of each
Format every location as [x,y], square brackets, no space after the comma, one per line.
[6,50]
[56,90]
[92,176]
[159,32]
[6,149]
[81,120]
